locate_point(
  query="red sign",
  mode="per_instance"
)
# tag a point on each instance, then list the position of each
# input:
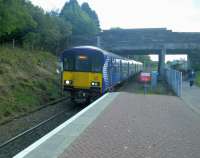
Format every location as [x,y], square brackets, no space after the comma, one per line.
[145,77]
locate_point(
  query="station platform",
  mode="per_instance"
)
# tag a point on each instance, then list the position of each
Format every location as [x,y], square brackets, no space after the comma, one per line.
[124,125]
[191,96]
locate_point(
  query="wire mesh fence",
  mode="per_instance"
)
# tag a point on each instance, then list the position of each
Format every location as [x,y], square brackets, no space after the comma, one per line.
[174,80]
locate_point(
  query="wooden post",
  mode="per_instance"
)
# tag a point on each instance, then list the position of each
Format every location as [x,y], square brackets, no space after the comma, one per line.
[13,43]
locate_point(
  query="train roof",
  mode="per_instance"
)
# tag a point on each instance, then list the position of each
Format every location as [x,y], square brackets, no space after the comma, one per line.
[99,50]
[96,49]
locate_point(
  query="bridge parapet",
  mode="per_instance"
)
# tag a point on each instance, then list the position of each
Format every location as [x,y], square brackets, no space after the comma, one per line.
[150,35]
[170,47]
[148,39]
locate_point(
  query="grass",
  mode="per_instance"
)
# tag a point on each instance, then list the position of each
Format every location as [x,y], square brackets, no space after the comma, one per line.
[160,89]
[27,80]
[134,86]
[198,78]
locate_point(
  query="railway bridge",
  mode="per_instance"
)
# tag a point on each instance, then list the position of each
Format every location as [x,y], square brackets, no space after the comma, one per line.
[158,41]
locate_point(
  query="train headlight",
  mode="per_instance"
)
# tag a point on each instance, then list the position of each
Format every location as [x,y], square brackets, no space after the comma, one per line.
[95,84]
[68,82]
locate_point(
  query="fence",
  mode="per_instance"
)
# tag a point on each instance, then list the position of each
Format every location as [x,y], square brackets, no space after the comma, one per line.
[174,79]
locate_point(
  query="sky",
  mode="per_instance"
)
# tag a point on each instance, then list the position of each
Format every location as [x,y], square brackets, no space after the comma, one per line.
[176,15]
[170,57]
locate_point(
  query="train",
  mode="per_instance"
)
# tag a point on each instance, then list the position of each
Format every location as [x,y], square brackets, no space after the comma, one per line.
[88,72]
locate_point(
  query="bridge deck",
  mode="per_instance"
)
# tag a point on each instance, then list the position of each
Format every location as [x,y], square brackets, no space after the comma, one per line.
[124,125]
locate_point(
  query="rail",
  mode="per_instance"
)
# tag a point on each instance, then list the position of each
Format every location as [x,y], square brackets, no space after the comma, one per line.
[17,143]
[35,110]
[29,130]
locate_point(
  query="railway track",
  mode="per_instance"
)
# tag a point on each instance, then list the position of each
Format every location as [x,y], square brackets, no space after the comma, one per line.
[19,142]
[38,109]
[22,140]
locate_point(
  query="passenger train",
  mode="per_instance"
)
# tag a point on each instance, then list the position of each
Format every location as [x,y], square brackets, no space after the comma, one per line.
[88,71]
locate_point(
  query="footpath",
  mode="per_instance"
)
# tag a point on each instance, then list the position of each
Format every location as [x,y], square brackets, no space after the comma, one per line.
[191,96]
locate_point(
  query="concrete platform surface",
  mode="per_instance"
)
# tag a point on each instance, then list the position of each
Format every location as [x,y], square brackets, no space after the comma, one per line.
[191,96]
[137,126]
[54,143]
[126,125]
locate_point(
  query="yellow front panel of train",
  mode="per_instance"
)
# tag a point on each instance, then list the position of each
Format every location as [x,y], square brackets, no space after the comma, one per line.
[82,79]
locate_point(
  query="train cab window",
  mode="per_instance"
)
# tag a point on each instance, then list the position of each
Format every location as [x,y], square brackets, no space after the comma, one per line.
[96,65]
[68,64]
[82,63]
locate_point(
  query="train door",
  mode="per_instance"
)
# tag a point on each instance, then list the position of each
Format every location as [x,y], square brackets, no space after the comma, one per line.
[120,70]
[111,72]
[128,69]
[106,73]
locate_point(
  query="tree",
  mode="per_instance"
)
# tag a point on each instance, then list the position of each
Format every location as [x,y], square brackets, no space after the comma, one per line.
[56,33]
[31,40]
[35,29]
[65,32]
[1,17]
[81,23]
[52,32]
[14,17]
[92,14]
[142,58]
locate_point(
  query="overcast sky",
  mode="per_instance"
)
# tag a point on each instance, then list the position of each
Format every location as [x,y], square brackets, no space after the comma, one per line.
[177,15]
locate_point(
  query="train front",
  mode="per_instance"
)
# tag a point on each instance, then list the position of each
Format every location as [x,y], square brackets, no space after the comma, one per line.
[82,74]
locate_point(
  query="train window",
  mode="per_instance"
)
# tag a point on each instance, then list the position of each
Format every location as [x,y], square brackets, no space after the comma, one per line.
[118,65]
[82,63]
[96,64]
[68,63]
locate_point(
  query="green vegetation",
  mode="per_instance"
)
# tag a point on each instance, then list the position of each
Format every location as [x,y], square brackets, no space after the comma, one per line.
[160,89]
[149,65]
[27,80]
[92,14]
[28,75]
[82,23]
[198,78]
[30,27]
[194,58]
[135,86]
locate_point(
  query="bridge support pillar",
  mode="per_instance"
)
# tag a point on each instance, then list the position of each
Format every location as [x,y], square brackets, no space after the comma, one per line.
[162,62]
[98,41]
[188,61]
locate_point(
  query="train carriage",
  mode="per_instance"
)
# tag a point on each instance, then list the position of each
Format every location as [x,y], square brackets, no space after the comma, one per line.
[90,71]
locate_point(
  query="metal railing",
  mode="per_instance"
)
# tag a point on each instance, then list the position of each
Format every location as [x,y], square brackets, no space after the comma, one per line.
[174,79]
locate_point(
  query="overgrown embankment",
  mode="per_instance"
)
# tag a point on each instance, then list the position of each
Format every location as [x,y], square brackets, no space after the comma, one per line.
[27,80]
[198,78]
